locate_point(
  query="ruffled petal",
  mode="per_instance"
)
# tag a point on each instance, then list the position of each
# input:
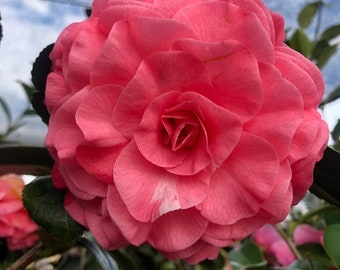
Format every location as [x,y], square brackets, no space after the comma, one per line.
[141,183]
[225,21]
[282,111]
[159,73]
[238,89]
[240,186]
[134,231]
[175,231]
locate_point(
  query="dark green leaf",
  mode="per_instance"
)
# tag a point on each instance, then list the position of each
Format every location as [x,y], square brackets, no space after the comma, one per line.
[6,110]
[46,207]
[307,13]
[332,243]
[326,54]
[29,90]
[326,184]
[334,95]
[307,265]
[300,42]
[331,32]
[332,216]
[314,251]
[247,255]
[336,132]
[319,48]
[41,68]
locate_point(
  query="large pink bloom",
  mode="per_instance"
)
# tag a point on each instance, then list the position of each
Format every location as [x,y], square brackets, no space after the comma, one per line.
[15,223]
[185,124]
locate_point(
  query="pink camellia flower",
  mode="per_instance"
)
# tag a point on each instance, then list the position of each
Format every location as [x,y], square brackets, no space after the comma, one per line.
[272,243]
[185,124]
[306,234]
[15,223]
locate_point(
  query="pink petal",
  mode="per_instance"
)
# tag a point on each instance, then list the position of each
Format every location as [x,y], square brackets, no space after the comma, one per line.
[100,116]
[279,203]
[225,21]
[141,183]
[177,230]
[80,182]
[279,25]
[79,66]
[239,90]
[7,207]
[282,111]
[63,134]
[232,195]
[207,252]
[134,231]
[283,253]
[303,168]
[300,77]
[305,234]
[266,237]
[307,134]
[222,235]
[122,11]
[158,73]
[309,67]
[74,208]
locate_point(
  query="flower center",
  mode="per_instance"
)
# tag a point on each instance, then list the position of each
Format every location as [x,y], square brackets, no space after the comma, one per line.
[180,129]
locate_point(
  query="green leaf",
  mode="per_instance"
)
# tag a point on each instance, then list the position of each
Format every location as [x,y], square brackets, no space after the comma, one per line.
[307,13]
[29,90]
[334,95]
[314,251]
[300,42]
[247,255]
[336,132]
[45,205]
[332,217]
[309,264]
[331,32]
[332,243]
[326,54]
[6,110]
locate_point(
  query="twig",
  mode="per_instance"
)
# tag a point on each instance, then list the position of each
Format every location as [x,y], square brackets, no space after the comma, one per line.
[289,242]
[26,259]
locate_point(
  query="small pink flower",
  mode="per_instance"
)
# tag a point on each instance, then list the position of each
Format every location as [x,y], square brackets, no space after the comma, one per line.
[15,223]
[272,243]
[306,234]
[184,124]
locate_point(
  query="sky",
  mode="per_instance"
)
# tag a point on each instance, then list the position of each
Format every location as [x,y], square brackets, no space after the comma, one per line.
[30,25]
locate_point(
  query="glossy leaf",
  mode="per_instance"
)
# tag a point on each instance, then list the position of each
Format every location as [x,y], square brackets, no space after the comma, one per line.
[316,252]
[325,56]
[307,14]
[246,256]
[300,42]
[331,32]
[307,264]
[45,205]
[332,243]
[41,68]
